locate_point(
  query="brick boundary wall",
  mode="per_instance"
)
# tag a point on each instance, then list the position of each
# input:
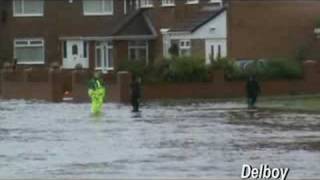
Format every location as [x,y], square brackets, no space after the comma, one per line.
[48,85]
[117,86]
[220,88]
[31,84]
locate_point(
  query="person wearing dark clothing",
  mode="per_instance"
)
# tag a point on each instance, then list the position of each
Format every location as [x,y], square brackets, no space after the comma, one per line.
[135,94]
[253,90]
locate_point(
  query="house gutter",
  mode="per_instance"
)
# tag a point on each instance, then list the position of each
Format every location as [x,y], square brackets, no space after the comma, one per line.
[92,38]
[109,38]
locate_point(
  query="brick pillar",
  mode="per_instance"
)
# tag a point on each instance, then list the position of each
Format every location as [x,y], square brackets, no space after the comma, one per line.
[28,88]
[79,85]
[75,89]
[1,81]
[218,76]
[311,76]
[124,81]
[56,85]
[310,70]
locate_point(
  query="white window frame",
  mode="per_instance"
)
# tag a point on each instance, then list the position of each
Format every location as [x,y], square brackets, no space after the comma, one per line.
[167,3]
[108,45]
[216,1]
[23,14]
[192,1]
[28,44]
[146,47]
[146,3]
[103,13]
[184,44]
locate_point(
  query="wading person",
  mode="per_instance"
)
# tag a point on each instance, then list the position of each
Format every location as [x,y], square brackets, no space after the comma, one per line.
[97,93]
[253,90]
[135,93]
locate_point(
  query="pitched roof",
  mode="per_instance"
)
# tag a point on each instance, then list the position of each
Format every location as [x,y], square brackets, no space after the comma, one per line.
[197,20]
[137,24]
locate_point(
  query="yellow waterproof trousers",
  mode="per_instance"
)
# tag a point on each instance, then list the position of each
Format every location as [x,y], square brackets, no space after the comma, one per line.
[97,99]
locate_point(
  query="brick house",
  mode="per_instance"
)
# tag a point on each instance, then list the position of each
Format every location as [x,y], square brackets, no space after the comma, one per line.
[99,34]
[274,28]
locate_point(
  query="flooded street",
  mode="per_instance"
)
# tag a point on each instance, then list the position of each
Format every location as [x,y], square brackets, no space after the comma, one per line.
[185,140]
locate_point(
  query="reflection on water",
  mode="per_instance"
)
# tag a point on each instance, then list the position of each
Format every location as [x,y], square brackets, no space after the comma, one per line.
[195,139]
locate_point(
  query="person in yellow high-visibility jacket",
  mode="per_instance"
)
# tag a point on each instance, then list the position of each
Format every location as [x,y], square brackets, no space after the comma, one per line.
[97,93]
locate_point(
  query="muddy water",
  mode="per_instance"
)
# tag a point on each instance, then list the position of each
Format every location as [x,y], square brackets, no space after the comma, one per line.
[206,139]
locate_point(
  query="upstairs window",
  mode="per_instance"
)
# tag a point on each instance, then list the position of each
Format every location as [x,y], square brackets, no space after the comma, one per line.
[29,51]
[28,7]
[97,7]
[217,2]
[146,3]
[167,2]
[192,1]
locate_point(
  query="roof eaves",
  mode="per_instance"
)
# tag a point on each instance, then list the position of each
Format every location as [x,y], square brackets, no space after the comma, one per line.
[126,21]
[134,37]
[208,19]
[150,25]
[108,38]
[86,38]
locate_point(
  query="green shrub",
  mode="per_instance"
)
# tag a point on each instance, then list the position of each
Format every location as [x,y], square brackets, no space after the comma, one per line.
[186,69]
[193,69]
[137,68]
[227,65]
[283,68]
[177,69]
[157,72]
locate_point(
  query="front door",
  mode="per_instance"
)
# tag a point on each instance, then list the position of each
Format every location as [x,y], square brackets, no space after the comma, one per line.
[104,56]
[75,54]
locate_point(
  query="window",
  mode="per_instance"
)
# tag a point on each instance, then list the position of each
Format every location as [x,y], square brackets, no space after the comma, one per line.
[138,51]
[216,2]
[65,49]
[29,51]
[98,7]
[85,49]
[192,1]
[146,3]
[167,2]
[28,7]
[104,55]
[109,51]
[215,52]
[99,56]
[212,53]
[219,52]
[184,48]
[75,49]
